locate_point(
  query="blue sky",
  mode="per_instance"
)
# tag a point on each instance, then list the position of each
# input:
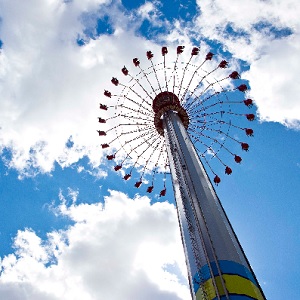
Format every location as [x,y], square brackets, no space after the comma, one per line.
[69,223]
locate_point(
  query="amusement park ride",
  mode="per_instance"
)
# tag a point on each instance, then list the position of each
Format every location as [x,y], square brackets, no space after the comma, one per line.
[175,116]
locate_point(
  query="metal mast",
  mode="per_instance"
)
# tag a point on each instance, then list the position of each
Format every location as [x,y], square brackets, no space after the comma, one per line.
[217,266]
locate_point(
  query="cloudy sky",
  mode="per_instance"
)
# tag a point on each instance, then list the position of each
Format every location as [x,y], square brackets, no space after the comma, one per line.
[70,227]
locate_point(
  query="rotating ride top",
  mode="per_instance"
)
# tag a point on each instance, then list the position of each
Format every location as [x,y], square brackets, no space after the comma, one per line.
[174,115]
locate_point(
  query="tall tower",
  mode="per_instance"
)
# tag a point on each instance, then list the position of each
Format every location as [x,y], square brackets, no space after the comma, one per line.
[184,112]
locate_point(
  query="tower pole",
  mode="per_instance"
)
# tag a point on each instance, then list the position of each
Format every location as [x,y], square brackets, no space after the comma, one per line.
[217,265]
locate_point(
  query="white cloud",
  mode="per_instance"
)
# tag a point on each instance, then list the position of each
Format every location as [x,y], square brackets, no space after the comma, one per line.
[274,62]
[122,249]
[148,11]
[50,87]
[275,82]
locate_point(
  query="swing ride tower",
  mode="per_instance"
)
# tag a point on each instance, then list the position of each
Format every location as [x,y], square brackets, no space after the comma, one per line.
[180,119]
